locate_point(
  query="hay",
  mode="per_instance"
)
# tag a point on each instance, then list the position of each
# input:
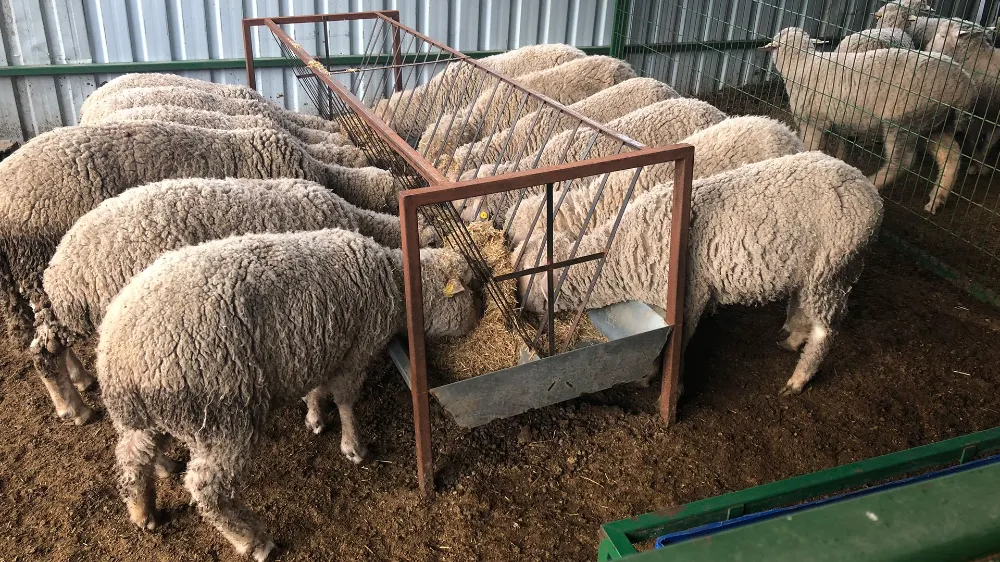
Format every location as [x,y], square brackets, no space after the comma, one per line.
[492,346]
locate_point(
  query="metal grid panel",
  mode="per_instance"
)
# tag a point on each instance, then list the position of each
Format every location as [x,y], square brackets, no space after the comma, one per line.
[42,32]
[711,50]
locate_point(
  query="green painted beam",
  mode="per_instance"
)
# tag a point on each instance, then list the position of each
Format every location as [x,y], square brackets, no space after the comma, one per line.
[618,537]
[215,64]
[619,28]
[953,518]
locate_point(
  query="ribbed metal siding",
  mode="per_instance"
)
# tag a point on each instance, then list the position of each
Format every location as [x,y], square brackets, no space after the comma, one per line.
[42,32]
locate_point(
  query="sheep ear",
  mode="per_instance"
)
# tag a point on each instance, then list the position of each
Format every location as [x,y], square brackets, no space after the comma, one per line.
[452,288]
[912,17]
[772,46]
[819,41]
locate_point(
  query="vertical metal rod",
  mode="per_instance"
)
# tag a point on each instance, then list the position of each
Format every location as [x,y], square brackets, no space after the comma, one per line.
[397,54]
[550,274]
[673,355]
[326,49]
[248,55]
[415,328]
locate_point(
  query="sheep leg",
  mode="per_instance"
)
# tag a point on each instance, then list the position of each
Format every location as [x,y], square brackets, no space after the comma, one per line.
[948,158]
[316,408]
[210,479]
[55,376]
[824,304]
[20,318]
[135,456]
[797,326]
[978,164]
[900,155]
[82,379]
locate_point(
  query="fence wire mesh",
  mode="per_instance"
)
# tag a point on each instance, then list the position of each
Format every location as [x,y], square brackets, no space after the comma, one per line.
[923,126]
[471,122]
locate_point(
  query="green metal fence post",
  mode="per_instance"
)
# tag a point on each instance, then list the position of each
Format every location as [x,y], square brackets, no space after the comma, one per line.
[619,28]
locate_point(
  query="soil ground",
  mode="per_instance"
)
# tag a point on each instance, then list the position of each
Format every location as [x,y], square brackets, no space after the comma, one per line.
[916,362]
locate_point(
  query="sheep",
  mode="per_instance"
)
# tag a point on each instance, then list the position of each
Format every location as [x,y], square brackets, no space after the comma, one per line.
[530,131]
[896,92]
[123,235]
[60,175]
[970,48]
[499,107]
[169,370]
[459,84]
[332,148]
[891,22]
[724,146]
[196,99]
[153,80]
[794,226]
[661,123]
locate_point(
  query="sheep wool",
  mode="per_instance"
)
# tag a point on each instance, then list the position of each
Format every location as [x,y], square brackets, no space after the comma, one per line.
[410,112]
[661,123]
[734,142]
[498,108]
[331,148]
[197,99]
[204,343]
[530,131]
[153,80]
[896,92]
[791,227]
[123,235]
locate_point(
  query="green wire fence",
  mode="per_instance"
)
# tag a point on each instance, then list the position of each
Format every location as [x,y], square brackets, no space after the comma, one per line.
[711,49]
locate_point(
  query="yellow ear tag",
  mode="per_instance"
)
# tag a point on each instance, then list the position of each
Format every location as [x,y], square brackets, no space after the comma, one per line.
[449,289]
[483,215]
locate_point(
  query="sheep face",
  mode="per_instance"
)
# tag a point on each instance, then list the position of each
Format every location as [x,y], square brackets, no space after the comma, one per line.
[536,299]
[952,35]
[451,307]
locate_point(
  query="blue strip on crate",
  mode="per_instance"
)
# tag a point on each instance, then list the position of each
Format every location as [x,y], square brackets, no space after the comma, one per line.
[711,528]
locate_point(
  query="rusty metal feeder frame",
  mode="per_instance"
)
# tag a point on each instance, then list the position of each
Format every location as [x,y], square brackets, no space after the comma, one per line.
[424,186]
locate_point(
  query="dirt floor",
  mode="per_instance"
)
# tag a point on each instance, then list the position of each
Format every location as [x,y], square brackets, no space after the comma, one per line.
[916,362]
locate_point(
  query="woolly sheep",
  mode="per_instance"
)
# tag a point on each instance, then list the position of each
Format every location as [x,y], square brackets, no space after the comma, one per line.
[725,146]
[970,47]
[891,22]
[123,235]
[459,84]
[60,175]
[332,148]
[499,108]
[153,80]
[531,130]
[196,99]
[896,92]
[203,344]
[794,227]
[661,123]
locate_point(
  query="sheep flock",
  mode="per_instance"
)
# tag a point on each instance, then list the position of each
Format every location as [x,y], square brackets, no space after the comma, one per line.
[228,256]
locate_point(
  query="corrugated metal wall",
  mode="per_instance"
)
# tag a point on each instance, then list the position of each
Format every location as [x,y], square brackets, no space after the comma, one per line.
[46,32]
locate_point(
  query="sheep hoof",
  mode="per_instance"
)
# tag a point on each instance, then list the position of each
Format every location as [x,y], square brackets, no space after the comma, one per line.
[974,169]
[315,424]
[790,390]
[355,452]
[85,416]
[786,345]
[145,520]
[932,207]
[265,551]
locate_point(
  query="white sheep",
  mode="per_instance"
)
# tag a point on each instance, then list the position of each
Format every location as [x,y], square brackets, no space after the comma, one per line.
[500,107]
[206,342]
[91,106]
[791,227]
[410,112]
[119,238]
[891,22]
[58,176]
[332,148]
[197,99]
[895,92]
[724,146]
[971,48]
[530,131]
[661,123]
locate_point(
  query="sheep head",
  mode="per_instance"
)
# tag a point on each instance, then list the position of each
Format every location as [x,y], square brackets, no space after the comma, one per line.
[451,306]
[532,290]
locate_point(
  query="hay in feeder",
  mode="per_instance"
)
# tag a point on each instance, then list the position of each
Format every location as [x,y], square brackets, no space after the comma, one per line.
[492,345]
